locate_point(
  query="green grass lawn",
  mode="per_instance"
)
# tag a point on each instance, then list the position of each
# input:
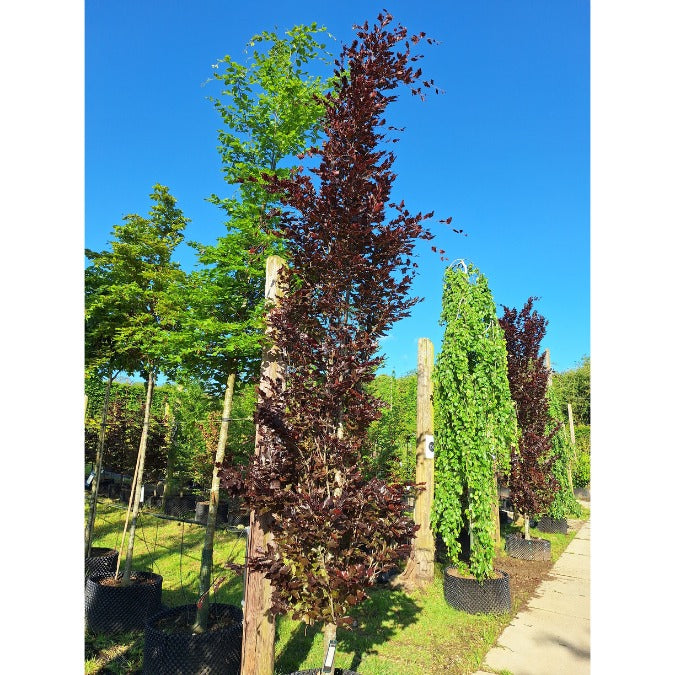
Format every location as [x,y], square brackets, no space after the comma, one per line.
[396,633]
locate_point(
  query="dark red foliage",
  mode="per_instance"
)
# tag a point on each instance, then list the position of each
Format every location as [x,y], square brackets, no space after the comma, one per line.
[531,481]
[349,251]
[123,431]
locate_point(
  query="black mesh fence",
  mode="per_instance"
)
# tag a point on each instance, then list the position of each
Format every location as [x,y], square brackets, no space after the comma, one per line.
[170,546]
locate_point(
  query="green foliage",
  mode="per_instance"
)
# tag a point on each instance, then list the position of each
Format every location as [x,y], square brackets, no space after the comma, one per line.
[240,438]
[581,472]
[389,451]
[270,115]
[137,305]
[474,416]
[184,423]
[574,386]
[564,503]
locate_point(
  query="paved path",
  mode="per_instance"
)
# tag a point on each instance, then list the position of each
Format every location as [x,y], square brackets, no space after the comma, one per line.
[552,634]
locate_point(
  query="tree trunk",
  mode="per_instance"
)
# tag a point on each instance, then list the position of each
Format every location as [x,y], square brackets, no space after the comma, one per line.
[420,568]
[526,520]
[202,618]
[170,482]
[257,654]
[329,633]
[136,488]
[89,531]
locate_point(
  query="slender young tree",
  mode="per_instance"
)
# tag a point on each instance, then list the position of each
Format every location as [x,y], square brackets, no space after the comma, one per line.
[147,283]
[349,253]
[475,418]
[532,482]
[103,358]
[270,114]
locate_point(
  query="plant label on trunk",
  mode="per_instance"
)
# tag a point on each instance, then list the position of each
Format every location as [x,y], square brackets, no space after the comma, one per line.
[428,446]
[330,657]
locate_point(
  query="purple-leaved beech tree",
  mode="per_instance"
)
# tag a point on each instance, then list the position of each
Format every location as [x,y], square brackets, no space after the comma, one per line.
[349,251]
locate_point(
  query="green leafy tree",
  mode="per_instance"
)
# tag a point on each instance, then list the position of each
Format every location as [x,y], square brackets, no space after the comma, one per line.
[573,386]
[102,359]
[474,417]
[270,114]
[564,503]
[145,287]
[389,452]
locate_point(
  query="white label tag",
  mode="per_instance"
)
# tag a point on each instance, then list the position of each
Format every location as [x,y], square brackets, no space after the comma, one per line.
[428,446]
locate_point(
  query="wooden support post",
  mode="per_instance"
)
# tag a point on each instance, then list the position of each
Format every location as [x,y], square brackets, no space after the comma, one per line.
[257,654]
[420,568]
[571,420]
[547,365]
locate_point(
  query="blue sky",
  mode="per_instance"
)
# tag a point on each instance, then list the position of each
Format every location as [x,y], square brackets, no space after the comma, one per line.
[505,150]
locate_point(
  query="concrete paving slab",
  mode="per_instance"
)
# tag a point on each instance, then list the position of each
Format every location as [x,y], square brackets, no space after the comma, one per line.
[570,586]
[578,546]
[577,566]
[584,532]
[540,642]
[565,602]
[551,635]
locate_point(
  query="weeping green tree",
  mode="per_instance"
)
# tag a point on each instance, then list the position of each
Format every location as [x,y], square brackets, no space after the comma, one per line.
[147,285]
[270,114]
[474,417]
[564,503]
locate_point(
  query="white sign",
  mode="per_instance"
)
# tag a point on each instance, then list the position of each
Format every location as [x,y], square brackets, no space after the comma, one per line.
[428,446]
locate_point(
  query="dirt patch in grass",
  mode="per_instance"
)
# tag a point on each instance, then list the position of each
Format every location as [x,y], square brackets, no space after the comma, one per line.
[524,576]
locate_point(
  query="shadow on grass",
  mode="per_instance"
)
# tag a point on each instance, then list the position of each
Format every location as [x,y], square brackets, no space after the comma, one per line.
[117,653]
[229,593]
[297,648]
[378,620]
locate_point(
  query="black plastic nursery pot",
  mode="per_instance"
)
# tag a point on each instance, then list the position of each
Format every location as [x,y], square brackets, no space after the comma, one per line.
[490,596]
[202,513]
[180,507]
[171,648]
[111,608]
[552,525]
[100,562]
[527,549]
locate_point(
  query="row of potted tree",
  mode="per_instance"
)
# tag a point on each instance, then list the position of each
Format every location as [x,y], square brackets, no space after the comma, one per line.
[495,424]
[321,532]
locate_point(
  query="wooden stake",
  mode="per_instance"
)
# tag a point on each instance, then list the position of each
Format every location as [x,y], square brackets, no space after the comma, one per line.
[257,654]
[547,365]
[420,568]
[571,420]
